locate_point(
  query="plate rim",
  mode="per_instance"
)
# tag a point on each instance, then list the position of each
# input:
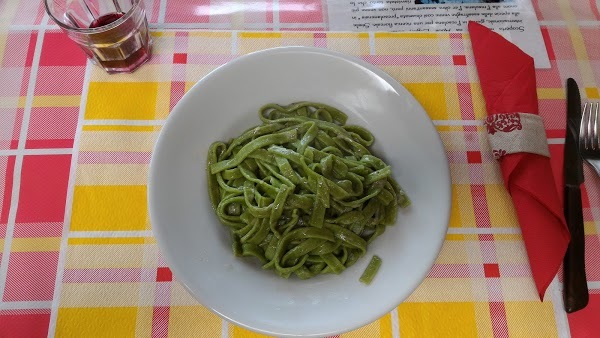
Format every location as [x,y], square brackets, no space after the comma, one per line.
[157,230]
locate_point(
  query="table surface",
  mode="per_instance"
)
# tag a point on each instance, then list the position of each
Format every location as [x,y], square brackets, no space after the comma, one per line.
[77,253]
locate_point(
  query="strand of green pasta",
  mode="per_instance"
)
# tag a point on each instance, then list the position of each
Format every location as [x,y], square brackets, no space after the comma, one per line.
[302,192]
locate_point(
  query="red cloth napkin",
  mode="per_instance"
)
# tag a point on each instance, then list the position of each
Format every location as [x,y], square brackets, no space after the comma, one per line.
[507,77]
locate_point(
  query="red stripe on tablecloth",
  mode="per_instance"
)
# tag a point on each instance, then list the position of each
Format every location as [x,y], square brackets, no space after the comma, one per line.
[269,13]
[498,316]
[160,321]
[38,229]
[160,313]
[555,133]
[209,59]
[43,190]
[480,206]
[109,275]
[31,276]
[24,323]
[31,49]
[465,101]
[594,7]
[320,40]
[8,185]
[585,323]
[44,144]
[177,91]
[548,42]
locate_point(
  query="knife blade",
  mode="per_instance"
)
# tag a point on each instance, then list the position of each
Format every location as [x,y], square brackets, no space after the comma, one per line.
[575,292]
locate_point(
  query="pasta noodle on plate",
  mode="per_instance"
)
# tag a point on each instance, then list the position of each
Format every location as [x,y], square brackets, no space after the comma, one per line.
[302,192]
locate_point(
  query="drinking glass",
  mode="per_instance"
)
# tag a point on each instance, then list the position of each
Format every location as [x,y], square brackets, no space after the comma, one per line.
[112,33]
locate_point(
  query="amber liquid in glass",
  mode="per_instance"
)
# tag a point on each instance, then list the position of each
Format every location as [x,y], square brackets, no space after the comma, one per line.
[121,58]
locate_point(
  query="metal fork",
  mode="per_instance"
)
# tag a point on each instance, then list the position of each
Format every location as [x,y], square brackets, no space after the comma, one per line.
[589,137]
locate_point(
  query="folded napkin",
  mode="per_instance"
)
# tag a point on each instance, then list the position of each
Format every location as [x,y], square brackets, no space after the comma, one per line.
[518,139]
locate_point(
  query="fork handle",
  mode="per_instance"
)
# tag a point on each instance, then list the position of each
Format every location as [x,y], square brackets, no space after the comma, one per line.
[575,294]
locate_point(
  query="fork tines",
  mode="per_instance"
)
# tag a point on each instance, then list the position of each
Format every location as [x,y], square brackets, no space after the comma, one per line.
[588,132]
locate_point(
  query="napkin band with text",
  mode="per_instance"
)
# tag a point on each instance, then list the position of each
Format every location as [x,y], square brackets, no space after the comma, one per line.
[510,133]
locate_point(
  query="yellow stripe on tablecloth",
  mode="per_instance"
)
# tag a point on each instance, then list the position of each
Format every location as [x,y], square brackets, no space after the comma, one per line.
[439,320]
[161,34]
[407,44]
[143,321]
[508,237]
[208,43]
[432,97]
[112,174]
[411,73]
[250,41]
[346,35]
[500,207]
[109,208]
[392,35]
[453,138]
[592,93]
[120,128]
[450,290]
[551,93]
[452,101]
[453,252]
[349,43]
[189,321]
[260,35]
[77,295]
[96,322]
[510,251]
[163,100]
[472,237]
[578,42]
[239,332]
[590,228]
[118,141]
[38,244]
[209,34]
[477,95]
[128,100]
[56,101]
[491,170]
[530,319]
[520,289]
[385,326]
[483,319]
[455,237]
[381,328]
[111,240]
[101,256]
[462,214]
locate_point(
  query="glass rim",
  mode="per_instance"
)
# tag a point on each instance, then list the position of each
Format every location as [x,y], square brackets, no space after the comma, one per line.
[101,29]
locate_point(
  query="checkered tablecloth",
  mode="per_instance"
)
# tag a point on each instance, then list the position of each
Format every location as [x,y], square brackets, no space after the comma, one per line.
[78,258]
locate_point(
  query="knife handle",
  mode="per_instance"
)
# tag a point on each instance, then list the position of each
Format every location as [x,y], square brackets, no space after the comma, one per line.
[575,284]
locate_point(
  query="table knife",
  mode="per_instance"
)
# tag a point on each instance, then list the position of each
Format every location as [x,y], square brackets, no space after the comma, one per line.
[575,293]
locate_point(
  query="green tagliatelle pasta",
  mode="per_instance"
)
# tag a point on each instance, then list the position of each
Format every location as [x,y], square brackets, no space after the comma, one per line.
[302,192]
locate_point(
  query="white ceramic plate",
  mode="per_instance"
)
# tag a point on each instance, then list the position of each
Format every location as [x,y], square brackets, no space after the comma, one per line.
[198,248]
